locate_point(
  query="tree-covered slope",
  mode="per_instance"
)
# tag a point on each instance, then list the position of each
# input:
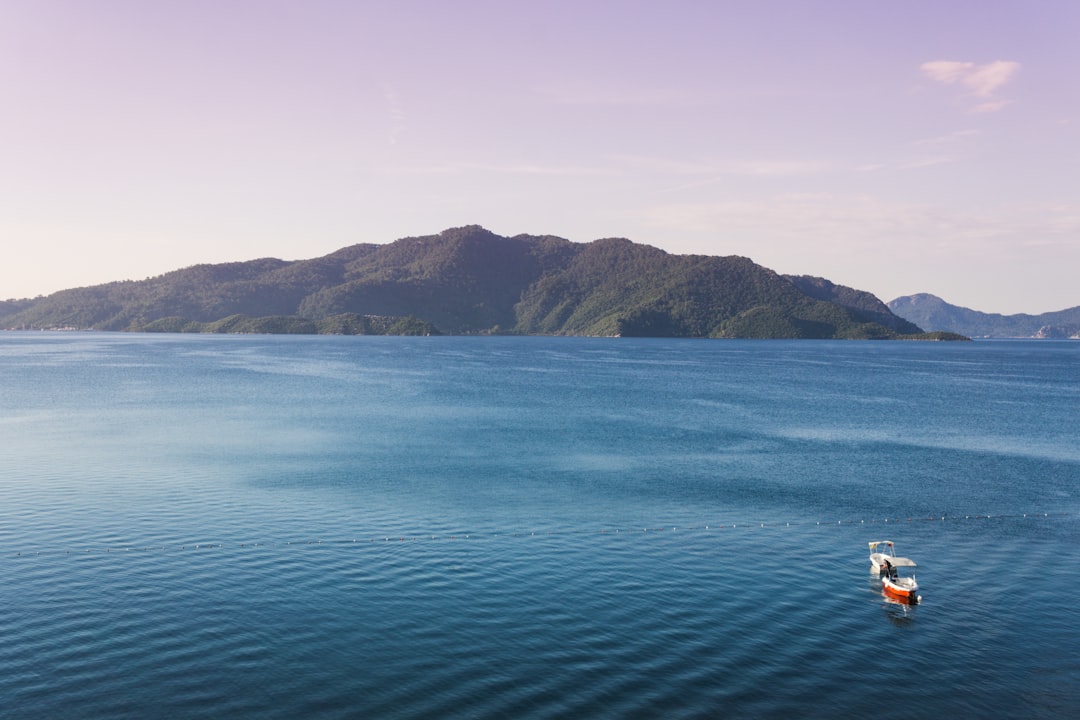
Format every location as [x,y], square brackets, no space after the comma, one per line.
[864,304]
[614,287]
[462,280]
[469,280]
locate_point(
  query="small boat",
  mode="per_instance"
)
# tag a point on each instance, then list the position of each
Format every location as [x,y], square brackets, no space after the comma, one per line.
[897,573]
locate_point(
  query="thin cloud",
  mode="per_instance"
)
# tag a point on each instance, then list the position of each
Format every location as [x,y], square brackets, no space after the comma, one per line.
[949,138]
[533,169]
[831,223]
[751,169]
[982,81]
[458,168]
[914,164]
[927,162]
[928,152]
[988,107]
[394,111]
[579,93]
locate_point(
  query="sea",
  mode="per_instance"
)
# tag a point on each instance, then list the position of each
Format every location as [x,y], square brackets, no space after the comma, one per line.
[241,526]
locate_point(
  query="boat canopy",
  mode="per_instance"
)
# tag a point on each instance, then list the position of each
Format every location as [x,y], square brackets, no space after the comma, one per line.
[900,562]
[874,544]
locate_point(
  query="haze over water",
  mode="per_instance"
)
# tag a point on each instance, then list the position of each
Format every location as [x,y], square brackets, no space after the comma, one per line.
[240,526]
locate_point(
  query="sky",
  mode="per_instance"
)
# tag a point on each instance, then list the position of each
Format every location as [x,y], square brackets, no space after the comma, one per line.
[892,146]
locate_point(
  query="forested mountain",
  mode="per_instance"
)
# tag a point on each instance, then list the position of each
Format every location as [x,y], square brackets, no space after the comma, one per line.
[865,303]
[469,280]
[930,311]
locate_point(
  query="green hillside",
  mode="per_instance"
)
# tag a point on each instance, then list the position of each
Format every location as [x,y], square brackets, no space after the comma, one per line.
[470,281]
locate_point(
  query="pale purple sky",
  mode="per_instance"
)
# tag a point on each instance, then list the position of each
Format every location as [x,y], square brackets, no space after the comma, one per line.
[896,147]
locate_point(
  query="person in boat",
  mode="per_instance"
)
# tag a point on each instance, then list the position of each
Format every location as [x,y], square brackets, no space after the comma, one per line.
[890,570]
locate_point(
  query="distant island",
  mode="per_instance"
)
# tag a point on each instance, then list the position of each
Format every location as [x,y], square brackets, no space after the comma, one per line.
[931,312]
[469,280]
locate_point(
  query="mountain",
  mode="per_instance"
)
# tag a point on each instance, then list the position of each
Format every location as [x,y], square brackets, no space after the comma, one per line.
[863,302]
[469,280]
[930,311]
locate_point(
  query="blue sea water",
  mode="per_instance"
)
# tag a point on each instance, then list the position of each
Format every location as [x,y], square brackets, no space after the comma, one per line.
[342,527]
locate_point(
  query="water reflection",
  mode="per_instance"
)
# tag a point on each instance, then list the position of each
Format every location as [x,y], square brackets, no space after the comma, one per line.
[899,612]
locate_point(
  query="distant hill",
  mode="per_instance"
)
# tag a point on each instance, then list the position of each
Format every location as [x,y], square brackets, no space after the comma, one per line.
[468,280]
[931,312]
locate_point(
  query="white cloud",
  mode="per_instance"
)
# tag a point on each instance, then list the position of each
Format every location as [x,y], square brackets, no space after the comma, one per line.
[947,71]
[982,81]
[985,79]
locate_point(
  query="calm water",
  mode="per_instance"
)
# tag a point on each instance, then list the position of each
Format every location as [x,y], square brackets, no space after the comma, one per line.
[282,527]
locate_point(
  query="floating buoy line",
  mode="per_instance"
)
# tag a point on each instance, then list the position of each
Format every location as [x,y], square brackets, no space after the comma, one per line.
[491,535]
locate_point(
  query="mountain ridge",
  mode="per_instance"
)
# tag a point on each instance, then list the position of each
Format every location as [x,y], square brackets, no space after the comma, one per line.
[468,280]
[932,312]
